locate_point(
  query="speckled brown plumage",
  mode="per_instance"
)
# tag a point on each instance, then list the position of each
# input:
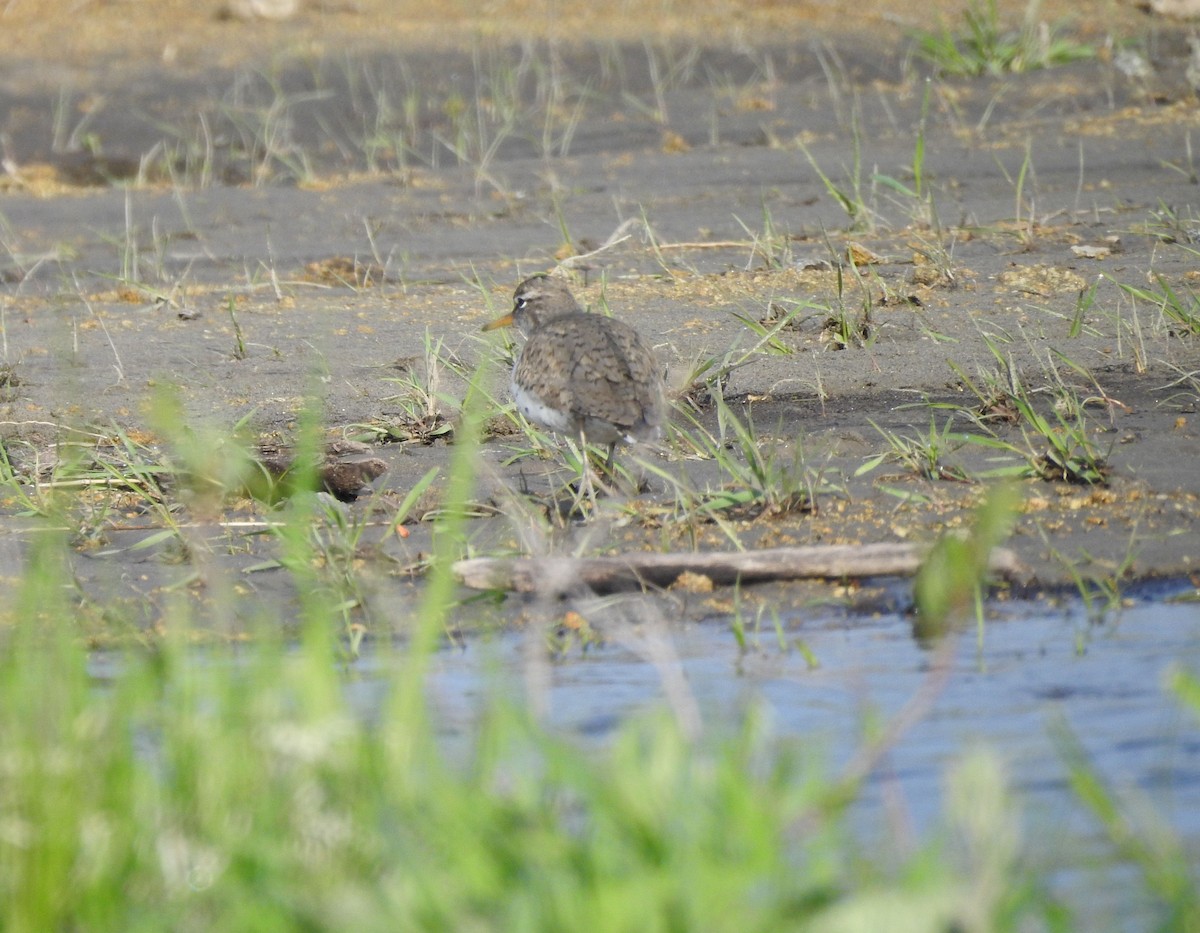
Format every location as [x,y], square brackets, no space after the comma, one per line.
[581,373]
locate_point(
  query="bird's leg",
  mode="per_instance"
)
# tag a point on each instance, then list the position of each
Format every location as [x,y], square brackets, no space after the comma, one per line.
[609,481]
[608,461]
[614,480]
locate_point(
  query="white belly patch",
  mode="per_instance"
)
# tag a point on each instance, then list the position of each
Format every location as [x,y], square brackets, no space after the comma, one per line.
[539,412]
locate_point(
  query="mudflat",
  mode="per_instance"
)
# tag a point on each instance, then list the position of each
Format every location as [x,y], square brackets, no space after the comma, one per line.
[905,282]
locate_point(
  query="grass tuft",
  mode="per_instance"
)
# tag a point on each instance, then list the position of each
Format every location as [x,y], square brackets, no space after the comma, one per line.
[984,47]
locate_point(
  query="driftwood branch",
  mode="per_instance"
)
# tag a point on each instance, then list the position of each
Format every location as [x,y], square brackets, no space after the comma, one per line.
[638,569]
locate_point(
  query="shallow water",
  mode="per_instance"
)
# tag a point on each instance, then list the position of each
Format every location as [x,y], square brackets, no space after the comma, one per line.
[1033,665]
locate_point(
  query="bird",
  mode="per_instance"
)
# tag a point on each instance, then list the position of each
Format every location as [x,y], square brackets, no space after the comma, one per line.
[582,374]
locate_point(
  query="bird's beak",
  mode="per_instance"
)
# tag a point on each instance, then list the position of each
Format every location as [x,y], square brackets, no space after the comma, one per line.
[505,321]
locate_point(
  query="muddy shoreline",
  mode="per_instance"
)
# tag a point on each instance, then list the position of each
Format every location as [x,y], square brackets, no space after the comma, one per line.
[717,191]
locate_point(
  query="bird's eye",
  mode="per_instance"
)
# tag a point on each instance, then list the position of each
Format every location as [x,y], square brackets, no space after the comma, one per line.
[522,302]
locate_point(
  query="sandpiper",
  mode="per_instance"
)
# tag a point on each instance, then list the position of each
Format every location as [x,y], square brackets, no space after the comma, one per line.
[582,374]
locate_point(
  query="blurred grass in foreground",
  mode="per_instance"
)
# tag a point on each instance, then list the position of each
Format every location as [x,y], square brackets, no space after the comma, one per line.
[235,789]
